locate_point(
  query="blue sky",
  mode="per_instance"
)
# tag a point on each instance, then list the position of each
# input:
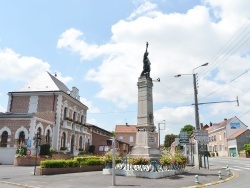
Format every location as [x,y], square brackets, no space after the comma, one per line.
[98,46]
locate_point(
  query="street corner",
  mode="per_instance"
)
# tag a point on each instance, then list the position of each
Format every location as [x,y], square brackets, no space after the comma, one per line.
[199,185]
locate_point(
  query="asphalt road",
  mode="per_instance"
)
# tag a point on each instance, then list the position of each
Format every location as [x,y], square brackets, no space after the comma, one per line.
[24,177]
[241,167]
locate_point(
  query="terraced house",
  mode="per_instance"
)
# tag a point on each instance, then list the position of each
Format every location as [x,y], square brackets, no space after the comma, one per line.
[46,108]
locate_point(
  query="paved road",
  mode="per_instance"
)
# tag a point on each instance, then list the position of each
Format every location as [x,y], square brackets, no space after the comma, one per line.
[241,166]
[21,176]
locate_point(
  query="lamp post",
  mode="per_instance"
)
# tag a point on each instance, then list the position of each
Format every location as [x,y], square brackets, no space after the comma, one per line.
[159,130]
[197,121]
[37,140]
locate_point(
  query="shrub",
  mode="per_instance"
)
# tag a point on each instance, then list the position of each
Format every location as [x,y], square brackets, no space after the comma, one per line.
[92,162]
[109,155]
[53,164]
[91,149]
[45,149]
[247,148]
[72,163]
[21,151]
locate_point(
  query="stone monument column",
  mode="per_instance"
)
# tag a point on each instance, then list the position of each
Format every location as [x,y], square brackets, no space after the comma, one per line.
[145,145]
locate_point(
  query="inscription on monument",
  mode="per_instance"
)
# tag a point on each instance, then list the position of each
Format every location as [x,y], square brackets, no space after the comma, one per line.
[151,138]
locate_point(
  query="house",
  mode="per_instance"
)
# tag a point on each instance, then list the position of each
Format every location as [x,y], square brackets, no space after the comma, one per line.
[102,141]
[237,140]
[127,134]
[220,134]
[44,108]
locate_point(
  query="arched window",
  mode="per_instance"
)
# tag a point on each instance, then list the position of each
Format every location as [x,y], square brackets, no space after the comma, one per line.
[63,140]
[65,112]
[21,139]
[80,142]
[4,139]
[39,131]
[48,137]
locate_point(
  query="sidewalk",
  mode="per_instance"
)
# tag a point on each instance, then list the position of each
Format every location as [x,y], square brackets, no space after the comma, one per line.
[23,177]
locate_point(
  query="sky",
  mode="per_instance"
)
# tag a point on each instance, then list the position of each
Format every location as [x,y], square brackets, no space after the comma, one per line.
[98,46]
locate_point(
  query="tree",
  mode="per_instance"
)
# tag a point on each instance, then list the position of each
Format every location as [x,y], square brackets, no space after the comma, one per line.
[189,129]
[169,139]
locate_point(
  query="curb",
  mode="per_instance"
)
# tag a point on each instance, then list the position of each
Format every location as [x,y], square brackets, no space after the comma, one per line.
[16,184]
[214,183]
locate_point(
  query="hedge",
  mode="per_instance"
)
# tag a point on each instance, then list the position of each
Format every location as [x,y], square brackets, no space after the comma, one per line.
[83,161]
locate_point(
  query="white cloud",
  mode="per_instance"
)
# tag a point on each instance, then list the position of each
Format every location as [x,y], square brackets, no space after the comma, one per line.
[89,104]
[177,44]
[20,68]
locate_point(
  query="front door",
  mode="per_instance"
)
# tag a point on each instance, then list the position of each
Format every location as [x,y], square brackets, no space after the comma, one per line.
[232,152]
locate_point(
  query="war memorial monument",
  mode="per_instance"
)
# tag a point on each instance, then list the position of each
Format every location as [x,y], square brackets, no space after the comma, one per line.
[145,138]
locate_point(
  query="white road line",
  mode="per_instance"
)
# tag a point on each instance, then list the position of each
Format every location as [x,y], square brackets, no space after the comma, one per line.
[241,167]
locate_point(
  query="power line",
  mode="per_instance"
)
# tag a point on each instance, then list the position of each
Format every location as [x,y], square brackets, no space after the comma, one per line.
[175,90]
[225,84]
[244,113]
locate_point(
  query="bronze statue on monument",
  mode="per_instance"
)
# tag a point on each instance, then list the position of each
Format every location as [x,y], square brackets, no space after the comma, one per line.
[146,64]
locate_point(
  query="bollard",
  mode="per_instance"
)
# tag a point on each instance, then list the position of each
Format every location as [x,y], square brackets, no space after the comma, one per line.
[228,171]
[196,179]
[219,175]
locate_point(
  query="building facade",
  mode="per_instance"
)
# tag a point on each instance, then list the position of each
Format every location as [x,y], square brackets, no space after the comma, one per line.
[127,133]
[219,135]
[47,109]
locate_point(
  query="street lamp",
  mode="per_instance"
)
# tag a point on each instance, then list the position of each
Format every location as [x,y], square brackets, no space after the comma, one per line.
[159,129]
[37,140]
[197,123]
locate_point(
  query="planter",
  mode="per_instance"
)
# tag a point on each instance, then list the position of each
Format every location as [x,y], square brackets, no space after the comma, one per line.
[27,161]
[61,156]
[52,171]
[108,164]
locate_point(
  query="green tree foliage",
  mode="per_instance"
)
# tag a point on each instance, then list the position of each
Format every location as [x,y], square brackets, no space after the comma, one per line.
[169,139]
[189,129]
[247,148]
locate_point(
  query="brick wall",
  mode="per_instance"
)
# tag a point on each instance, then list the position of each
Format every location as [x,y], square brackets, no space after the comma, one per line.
[20,104]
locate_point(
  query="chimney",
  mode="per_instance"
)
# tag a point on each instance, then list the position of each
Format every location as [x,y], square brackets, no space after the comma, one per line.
[225,119]
[201,126]
[211,124]
[126,124]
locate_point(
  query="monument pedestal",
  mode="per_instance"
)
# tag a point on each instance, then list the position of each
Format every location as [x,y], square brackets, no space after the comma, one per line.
[145,145]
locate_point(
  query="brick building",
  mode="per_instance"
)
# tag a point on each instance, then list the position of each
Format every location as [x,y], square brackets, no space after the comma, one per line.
[100,138]
[45,106]
[127,134]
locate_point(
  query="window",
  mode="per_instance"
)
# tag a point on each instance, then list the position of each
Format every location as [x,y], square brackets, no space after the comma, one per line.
[80,142]
[221,147]
[215,138]
[74,116]
[63,140]
[65,112]
[39,132]
[224,135]
[21,139]
[82,119]
[101,148]
[131,139]
[121,138]
[220,137]
[47,139]
[4,139]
